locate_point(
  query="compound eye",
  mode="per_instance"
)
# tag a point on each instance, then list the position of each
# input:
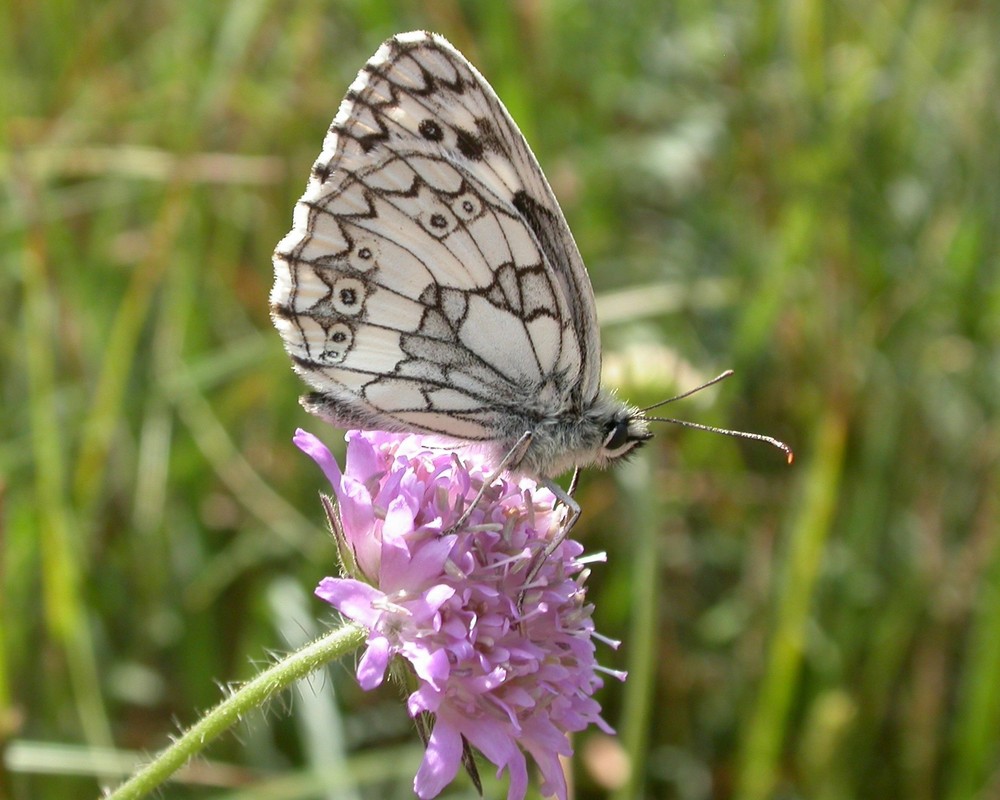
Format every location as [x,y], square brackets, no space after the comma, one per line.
[618,436]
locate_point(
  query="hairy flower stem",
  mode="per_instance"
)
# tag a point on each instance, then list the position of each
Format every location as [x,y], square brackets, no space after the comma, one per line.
[251,695]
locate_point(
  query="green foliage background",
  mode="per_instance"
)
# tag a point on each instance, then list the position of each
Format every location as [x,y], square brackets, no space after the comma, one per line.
[807,192]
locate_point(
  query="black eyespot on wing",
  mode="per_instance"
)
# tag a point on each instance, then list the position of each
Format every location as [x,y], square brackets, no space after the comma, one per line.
[470,145]
[430,130]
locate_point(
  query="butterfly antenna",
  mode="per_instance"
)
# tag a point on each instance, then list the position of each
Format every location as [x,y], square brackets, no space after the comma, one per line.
[690,392]
[759,437]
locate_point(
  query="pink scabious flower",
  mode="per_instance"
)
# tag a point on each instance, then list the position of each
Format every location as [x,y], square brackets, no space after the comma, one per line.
[501,640]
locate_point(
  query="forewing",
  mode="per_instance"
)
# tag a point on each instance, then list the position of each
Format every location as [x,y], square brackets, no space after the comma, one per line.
[430,281]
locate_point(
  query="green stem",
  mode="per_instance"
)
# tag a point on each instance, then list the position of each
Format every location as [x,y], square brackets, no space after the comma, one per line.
[768,727]
[639,703]
[249,696]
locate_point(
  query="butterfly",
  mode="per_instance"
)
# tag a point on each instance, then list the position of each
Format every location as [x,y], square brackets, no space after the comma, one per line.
[430,282]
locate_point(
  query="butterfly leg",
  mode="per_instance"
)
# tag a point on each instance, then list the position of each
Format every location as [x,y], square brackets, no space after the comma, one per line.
[566,497]
[514,456]
[573,482]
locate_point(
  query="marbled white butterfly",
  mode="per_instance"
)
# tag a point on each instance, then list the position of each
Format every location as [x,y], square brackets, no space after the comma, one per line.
[430,283]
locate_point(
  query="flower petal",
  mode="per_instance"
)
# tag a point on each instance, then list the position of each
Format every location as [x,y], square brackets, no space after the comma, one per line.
[441,761]
[363,461]
[372,666]
[503,752]
[358,519]
[319,453]
[431,666]
[352,598]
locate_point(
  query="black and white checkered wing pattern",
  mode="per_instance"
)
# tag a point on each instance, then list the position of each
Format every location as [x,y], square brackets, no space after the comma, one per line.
[430,282]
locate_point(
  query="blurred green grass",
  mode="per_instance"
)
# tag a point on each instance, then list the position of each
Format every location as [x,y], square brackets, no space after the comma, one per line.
[806,192]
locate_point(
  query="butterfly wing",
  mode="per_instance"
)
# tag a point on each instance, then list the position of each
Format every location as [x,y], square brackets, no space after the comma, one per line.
[430,281]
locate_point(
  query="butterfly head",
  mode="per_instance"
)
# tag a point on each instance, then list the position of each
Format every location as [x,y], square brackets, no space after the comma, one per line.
[626,430]
[603,433]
